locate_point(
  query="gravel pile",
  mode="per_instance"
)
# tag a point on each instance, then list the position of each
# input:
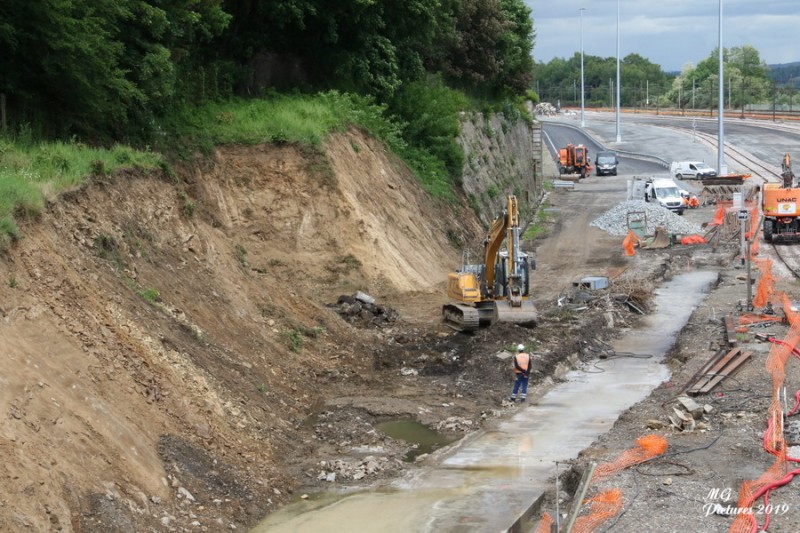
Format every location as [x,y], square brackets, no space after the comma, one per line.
[615,220]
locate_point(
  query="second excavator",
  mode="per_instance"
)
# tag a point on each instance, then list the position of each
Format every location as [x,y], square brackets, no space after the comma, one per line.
[497,289]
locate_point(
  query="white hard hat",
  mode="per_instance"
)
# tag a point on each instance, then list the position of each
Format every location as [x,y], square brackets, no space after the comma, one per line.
[520,347]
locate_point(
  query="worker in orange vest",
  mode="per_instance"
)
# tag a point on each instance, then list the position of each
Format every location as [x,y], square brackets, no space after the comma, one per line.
[522,369]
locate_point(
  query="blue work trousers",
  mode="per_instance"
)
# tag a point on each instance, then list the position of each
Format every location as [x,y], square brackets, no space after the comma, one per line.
[522,381]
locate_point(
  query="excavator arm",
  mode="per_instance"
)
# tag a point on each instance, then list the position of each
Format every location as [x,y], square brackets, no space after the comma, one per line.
[494,241]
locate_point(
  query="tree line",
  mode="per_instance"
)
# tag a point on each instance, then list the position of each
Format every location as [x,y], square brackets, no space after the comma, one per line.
[110,69]
[748,81]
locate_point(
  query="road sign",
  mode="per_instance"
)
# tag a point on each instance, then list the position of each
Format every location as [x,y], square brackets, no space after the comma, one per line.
[743,214]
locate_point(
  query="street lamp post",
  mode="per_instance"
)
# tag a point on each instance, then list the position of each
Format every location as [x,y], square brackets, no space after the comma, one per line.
[583,123]
[619,135]
[721,167]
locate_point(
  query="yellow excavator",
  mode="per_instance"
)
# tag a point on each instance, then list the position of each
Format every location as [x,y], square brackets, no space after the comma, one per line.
[497,289]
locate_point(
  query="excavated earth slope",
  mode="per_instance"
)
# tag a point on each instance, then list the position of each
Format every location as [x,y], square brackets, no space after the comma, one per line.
[164,339]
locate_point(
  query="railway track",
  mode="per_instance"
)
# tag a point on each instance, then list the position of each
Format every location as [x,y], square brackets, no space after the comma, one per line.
[787,256]
[743,160]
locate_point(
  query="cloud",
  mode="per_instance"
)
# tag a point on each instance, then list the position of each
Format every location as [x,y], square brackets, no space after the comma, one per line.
[670,33]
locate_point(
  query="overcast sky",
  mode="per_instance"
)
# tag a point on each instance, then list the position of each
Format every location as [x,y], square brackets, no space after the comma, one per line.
[670,33]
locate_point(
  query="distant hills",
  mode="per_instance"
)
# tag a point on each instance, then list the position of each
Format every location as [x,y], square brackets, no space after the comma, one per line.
[783,74]
[786,74]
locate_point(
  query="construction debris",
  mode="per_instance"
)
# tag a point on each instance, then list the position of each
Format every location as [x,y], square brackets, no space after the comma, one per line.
[720,366]
[546,109]
[615,221]
[687,414]
[360,309]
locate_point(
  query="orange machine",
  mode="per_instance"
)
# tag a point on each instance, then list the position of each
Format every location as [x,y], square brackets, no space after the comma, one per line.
[779,203]
[574,160]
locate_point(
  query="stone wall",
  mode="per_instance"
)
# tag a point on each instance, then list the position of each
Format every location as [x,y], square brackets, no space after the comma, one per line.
[502,157]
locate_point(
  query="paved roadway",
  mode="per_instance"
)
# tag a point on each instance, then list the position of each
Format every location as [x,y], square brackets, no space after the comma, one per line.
[671,138]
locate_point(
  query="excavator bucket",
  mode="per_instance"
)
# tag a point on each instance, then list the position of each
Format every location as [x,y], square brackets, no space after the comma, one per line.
[523,314]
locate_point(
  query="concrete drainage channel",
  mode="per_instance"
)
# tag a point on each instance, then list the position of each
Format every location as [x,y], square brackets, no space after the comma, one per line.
[494,481]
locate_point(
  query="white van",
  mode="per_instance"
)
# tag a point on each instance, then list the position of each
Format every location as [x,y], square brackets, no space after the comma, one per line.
[666,192]
[691,170]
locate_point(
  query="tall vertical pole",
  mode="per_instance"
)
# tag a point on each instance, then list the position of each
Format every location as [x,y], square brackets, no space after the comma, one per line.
[619,134]
[583,123]
[721,167]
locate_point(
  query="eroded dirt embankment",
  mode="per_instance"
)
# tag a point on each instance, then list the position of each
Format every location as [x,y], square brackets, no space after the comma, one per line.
[163,340]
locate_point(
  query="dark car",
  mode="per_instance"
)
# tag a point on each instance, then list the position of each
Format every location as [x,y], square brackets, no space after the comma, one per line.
[605,163]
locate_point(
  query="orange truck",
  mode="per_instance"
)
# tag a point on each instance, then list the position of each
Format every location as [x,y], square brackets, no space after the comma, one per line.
[780,207]
[779,204]
[574,160]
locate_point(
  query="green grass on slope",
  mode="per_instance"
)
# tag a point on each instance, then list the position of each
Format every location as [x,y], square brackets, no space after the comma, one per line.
[306,119]
[31,172]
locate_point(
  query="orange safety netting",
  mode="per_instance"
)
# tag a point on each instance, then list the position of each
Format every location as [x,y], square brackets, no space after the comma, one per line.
[766,284]
[631,240]
[604,506]
[782,471]
[693,239]
[646,448]
[719,216]
[747,320]
[545,524]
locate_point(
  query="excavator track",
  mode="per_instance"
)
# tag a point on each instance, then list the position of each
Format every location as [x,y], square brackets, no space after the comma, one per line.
[461,317]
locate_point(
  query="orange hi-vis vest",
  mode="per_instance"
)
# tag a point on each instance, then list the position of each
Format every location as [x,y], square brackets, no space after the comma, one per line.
[523,361]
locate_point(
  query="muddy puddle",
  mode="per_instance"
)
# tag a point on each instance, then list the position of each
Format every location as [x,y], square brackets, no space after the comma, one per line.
[485,483]
[423,439]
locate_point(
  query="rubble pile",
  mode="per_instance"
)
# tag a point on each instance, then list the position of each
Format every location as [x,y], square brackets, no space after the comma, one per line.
[330,471]
[615,220]
[686,416]
[455,424]
[361,310]
[545,108]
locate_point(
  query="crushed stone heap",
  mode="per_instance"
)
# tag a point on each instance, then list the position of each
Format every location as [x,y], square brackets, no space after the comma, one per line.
[615,220]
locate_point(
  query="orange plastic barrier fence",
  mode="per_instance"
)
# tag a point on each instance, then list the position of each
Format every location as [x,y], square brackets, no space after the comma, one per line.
[630,241]
[781,472]
[719,216]
[646,448]
[746,320]
[766,284]
[545,524]
[693,239]
[604,506]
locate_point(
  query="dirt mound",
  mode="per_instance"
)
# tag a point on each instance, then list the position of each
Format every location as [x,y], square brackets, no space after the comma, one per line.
[164,340]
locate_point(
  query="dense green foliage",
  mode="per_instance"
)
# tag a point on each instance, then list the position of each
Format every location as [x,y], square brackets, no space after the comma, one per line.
[747,80]
[109,69]
[560,80]
[99,68]
[182,76]
[307,120]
